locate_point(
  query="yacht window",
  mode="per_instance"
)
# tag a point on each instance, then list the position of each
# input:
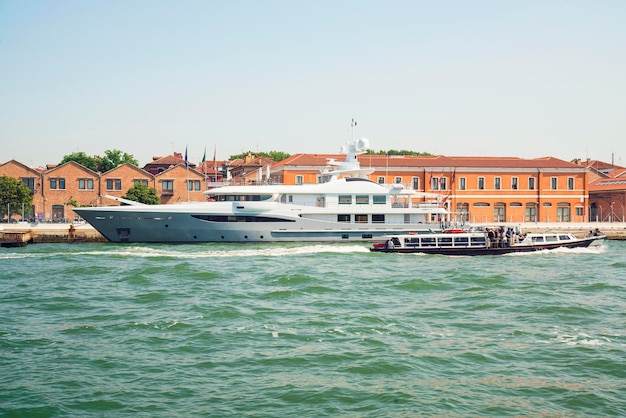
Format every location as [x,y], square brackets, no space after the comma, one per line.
[360,218]
[345,199]
[378,218]
[343,217]
[362,200]
[379,199]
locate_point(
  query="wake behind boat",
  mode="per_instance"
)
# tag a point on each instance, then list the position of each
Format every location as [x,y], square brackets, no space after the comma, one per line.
[480,243]
[343,206]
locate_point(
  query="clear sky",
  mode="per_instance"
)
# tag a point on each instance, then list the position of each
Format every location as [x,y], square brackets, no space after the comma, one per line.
[150,77]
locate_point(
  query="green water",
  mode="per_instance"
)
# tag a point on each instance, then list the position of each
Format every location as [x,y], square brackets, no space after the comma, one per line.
[95,330]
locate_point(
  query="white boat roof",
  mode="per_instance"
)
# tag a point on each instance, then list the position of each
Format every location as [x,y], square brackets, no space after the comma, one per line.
[350,185]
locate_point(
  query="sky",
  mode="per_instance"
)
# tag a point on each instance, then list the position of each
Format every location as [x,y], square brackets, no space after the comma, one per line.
[526,79]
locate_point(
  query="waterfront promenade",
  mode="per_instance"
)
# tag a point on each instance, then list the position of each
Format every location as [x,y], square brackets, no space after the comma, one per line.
[83,232]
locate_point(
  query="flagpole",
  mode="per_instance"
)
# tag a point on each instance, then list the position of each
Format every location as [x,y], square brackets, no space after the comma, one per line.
[204,168]
[187,167]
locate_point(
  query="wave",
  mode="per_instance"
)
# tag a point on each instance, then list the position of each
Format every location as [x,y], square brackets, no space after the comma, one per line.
[191,252]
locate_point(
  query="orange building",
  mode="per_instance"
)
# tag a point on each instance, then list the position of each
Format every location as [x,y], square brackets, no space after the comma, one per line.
[475,189]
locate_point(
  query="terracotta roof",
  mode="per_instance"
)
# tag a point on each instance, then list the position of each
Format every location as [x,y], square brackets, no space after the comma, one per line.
[436,161]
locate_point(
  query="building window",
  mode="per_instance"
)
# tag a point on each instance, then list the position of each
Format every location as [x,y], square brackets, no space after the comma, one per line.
[193,185]
[379,199]
[114,184]
[168,187]
[360,218]
[58,212]
[345,199]
[514,184]
[85,184]
[563,212]
[499,212]
[299,180]
[381,180]
[531,183]
[398,180]
[570,183]
[416,183]
[554,182]
[362,199]
[57,184]
[29,182]
[579,211]
[343,217]
[140,181]
[434,183]
[531,212]
[481,183]
[443,183]
[497,183]
[462,182]
[462,209]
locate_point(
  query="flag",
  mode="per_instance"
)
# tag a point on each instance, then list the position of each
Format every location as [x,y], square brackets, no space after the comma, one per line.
[202,163]
[214,163]
[186,159]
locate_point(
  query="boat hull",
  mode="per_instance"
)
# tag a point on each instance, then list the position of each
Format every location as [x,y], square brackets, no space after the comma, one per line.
[476,251]
[199,227]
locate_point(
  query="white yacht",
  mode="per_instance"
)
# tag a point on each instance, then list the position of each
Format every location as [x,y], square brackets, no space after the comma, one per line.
[343,206]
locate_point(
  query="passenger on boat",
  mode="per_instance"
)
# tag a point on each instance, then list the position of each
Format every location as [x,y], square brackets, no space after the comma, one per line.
[491,237]
[389,244]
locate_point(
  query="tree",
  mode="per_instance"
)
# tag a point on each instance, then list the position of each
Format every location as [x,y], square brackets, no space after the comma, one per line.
[14,196]
[82,159]
[113,158]
[274,155]
[143,194]
[398,152]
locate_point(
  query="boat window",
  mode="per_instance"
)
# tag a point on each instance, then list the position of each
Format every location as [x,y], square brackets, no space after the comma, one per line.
[378,218]
[242,198]
[564,237]
[538,239]
[360,218]
[366,236]
[445,241]
[362,200]
[551,238]
[477,241]
[343,217]
[461,240]
[231,218]
[429,242]
[345,199]
[379,199]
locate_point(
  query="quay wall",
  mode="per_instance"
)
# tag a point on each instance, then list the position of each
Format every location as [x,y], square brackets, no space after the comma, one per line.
[50,233]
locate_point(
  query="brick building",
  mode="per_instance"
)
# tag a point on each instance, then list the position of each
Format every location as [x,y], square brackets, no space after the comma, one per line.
[475,189]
